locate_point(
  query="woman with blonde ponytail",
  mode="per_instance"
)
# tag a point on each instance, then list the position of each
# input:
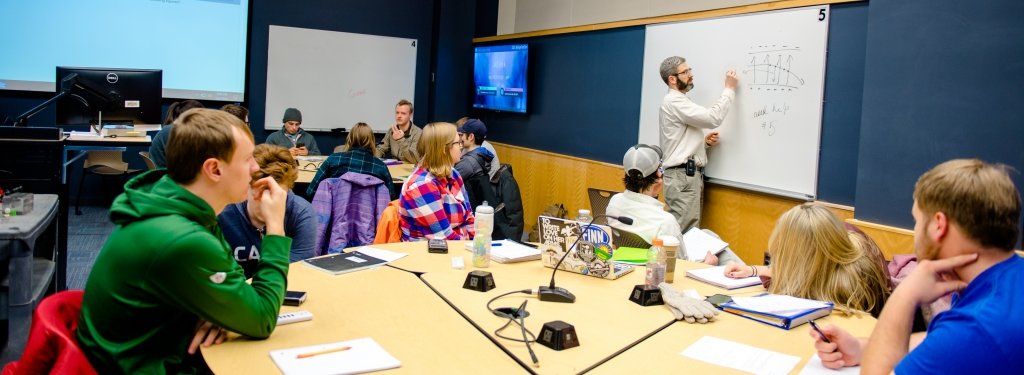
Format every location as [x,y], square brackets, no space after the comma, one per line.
[814,256]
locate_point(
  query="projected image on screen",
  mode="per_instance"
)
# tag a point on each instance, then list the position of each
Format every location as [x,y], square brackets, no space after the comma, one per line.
[499,77]
[199,45]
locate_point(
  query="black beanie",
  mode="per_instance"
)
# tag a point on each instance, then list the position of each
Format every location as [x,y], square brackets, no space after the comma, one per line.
[292,114]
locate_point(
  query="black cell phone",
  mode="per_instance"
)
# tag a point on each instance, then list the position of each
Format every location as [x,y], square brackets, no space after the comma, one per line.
[294,298]
[718,300]
[300,144]
[691,167]
[436,246]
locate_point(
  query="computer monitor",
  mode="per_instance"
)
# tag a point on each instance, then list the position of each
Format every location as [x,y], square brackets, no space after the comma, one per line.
[101,96]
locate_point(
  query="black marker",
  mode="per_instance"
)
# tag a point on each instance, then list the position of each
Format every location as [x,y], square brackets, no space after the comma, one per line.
[816,329]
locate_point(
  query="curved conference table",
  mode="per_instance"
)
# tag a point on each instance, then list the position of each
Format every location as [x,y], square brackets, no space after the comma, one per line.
[418,311]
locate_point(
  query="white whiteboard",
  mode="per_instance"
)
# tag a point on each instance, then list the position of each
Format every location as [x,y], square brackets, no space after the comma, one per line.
[769,141]
[337,79]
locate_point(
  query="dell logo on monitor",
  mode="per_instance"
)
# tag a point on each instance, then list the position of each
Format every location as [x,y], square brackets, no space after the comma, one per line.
[112,77]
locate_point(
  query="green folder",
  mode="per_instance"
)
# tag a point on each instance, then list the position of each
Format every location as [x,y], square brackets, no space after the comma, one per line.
[631,255]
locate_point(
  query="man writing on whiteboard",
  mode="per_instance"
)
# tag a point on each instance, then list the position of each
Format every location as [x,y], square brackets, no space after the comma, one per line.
[681,123]
[401,140]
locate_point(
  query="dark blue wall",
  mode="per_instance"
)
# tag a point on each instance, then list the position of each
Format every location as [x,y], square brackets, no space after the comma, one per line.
[583,95]
[942,80]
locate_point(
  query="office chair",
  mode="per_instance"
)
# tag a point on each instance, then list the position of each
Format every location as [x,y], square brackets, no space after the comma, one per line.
[150,165]
[599,203]
[103,163]
[626,238]
[52,348]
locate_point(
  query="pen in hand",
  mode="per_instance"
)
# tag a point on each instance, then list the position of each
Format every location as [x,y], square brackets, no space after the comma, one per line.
[820,333]
[325,351]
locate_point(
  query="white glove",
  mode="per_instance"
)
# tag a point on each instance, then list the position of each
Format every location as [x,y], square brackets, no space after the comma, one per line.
[691,309]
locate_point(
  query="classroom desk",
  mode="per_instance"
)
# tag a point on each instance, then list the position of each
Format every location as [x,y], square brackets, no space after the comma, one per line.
[392,306]
[309,164]
[81,144]
[604,318]
[660,352]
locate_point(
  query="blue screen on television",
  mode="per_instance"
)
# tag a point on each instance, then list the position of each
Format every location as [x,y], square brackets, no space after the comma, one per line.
[499,77]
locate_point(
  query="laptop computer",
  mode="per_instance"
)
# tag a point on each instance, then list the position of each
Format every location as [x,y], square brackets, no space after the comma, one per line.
[592,254]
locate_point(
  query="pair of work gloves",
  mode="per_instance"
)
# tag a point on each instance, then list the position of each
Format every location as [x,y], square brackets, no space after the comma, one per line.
[687,308]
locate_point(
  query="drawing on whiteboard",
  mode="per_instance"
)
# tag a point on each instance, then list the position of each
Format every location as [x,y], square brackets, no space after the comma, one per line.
[769,114]
[770,68]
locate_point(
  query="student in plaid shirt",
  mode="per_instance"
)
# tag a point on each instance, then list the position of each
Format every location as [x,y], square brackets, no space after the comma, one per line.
[357,157]
[433,203]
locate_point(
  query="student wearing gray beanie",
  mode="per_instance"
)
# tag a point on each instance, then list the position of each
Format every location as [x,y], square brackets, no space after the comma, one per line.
[292,137]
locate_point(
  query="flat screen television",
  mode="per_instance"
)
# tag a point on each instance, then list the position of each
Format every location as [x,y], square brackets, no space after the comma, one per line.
[101,96]
[500,77]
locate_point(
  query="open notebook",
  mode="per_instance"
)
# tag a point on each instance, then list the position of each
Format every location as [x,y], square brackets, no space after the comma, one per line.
[716,276]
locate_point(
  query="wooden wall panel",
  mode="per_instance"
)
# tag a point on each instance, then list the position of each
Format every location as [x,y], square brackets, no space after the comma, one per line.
[743,218]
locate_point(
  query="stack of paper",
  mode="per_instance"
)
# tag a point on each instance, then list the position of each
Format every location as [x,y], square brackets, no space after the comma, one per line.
[698,244]
[506,251]
[346,357]
[716,276]
[630,255]
[778,310]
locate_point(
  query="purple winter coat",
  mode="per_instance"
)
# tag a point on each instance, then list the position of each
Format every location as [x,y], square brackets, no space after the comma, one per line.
[347,209]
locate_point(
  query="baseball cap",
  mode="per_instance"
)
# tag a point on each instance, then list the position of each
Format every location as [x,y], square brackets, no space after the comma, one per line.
[642,158]
[475,127]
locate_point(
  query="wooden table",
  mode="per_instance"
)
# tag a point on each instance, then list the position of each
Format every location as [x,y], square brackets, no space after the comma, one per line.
[604,318]
[392,306]
[660,352]
[309,164]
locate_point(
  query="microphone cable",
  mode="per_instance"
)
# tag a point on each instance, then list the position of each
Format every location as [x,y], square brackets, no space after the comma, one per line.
[518,317]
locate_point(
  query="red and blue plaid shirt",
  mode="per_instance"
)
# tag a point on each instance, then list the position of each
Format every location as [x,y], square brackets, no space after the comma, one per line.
[432,207]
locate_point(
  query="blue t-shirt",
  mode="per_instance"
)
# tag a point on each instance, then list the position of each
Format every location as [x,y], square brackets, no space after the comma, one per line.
[245,239]
[981,333]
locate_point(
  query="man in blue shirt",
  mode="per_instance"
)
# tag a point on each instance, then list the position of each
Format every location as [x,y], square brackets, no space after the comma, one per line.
[966,226]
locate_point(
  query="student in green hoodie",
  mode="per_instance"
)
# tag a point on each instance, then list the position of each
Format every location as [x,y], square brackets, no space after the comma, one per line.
[166,282]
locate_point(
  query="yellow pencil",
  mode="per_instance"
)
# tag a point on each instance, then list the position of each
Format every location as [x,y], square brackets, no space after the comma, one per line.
[325,351]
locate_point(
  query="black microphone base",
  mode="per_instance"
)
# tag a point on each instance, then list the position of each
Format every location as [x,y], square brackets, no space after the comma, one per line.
[556,294]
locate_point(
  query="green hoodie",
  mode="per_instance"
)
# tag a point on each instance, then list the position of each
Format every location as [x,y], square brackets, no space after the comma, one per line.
[166,266]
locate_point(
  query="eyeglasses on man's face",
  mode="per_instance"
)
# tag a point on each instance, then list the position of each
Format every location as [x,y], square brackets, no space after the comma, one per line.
[688,71]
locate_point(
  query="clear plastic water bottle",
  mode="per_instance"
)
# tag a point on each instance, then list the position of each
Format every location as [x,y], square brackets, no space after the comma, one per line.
[482,241]
[583,216]
[655,264]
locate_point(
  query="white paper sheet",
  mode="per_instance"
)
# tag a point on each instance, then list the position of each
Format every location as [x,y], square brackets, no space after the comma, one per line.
[698,244]
[362,355]
[387,255]
[740,356]
[814,367]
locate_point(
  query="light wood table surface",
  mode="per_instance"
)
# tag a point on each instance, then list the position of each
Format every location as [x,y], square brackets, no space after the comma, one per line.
[604,319]
[392,306]
[660,352]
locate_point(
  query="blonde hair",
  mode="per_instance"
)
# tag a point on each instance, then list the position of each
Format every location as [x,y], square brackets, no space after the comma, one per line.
[361,136]
[433,147]
[813,257]
[275,161]
[979,197]
[199,134]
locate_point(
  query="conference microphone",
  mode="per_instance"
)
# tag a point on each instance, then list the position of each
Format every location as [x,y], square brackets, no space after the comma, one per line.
[551,293]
